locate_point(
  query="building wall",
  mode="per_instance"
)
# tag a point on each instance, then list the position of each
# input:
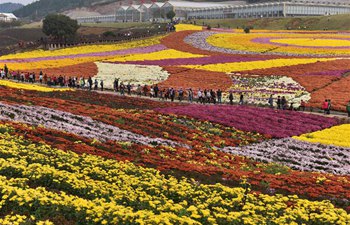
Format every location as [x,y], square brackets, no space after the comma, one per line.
[97,19]
[275,9]
[270,10]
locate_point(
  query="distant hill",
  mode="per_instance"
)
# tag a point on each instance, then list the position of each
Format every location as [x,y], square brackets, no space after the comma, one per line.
[9,7]
[39,9]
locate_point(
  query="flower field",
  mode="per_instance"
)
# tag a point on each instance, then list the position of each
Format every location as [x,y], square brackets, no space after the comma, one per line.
[195,58]
[71,156]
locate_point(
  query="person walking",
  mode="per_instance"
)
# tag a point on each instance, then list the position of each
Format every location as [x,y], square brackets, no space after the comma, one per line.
[219,96]
[181,94]
[90,83]
[190,95]
[172,94]
[199,96]
[156,90]
[279,102]
[208,96]
[128,87]
[230,97]
[284,103]
[116,84]
[348,108]
[241,99]
[122,88]
[138,90]
[270,101]
[96,85]
[213,96]
[325,106]
[101,84]
[41,77]
[329,107]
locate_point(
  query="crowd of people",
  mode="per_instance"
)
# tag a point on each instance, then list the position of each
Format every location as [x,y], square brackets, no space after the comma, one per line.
[201,96]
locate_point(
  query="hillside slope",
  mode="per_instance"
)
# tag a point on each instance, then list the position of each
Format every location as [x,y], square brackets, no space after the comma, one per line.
[40,9]
[9,7]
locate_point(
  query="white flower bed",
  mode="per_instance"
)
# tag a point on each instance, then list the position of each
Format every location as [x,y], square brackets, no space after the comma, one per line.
[257,90]
[298,155]
[79,125]
[129,73]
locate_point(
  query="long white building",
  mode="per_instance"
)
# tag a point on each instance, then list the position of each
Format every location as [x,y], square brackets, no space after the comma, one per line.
[269,9]
[205,10]
[7,17]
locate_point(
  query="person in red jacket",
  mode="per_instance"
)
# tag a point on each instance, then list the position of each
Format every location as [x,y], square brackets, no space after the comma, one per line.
[325,106]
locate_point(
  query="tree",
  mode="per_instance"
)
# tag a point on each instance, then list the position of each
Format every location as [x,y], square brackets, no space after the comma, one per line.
[170,15]
[60,26]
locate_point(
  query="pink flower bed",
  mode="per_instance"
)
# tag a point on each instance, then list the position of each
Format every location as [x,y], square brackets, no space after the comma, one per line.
[277,123]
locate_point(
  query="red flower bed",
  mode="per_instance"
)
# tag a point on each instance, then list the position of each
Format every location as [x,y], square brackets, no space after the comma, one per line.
[80,70]
[176,41]
[112,101]
[221,167]
[193,78]
[147,123]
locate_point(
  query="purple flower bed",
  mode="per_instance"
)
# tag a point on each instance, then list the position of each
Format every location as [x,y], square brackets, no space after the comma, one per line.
[277,123]
[197,61]
[140,50]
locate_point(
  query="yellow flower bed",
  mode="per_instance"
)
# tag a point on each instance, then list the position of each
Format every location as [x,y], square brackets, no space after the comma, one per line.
[85,49]
[31,87]
[94,190]
[252,65]
[183,27]
[164,54]
[337,135]
[244,42]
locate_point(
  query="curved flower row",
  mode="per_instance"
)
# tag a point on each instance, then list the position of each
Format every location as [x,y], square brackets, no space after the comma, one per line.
[98,191]
[145,45]
[33,87]
[261,43]
[196,61]
[85,70]
[298,155]
[147,123]
[337,135]
[76,124]
[199,40]
[261,64]
[214,166]
[158,55]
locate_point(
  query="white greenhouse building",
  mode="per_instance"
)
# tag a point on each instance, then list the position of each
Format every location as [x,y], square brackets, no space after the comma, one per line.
[209,10]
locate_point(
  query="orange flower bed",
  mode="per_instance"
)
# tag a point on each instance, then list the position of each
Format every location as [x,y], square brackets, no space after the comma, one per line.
[80,70]
[193,78]
[176,41]
[313,83]
[338,92]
